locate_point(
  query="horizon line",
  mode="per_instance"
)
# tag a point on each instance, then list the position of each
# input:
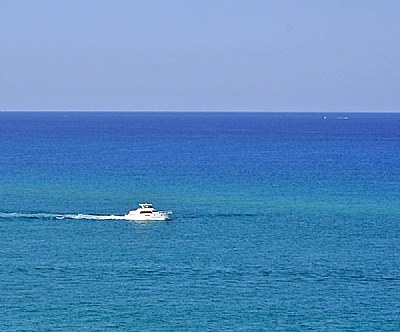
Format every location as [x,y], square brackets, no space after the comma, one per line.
[193,111]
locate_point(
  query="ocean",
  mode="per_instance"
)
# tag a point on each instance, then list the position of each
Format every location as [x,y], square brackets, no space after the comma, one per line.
[282,221]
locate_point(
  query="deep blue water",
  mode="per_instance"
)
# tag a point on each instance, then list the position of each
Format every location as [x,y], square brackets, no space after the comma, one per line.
[281,222]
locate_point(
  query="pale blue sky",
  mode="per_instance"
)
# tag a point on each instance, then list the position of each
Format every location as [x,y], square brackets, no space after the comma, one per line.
[200,55]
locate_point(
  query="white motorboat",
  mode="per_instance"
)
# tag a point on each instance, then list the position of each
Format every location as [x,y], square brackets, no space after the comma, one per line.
[146,212]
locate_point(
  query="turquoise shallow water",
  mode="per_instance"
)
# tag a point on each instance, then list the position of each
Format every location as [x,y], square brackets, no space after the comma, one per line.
[281,221]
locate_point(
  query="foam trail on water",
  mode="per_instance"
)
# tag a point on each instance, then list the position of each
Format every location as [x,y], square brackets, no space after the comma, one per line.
[9,215]
[89,216]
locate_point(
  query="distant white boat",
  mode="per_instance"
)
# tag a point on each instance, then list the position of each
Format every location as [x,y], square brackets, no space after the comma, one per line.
[146,212]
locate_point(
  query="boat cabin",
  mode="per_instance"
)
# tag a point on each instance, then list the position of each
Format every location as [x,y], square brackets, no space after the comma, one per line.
[146,206]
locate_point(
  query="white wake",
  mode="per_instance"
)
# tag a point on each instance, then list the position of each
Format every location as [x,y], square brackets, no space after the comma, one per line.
[8,215]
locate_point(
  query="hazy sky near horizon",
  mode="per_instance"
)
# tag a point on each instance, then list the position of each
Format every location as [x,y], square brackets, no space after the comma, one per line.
[200,55]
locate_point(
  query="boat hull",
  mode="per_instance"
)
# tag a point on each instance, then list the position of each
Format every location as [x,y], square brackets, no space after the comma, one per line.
[157,216]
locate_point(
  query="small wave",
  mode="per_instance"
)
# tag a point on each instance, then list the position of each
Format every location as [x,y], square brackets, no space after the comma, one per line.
[235,214]
[10,215]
